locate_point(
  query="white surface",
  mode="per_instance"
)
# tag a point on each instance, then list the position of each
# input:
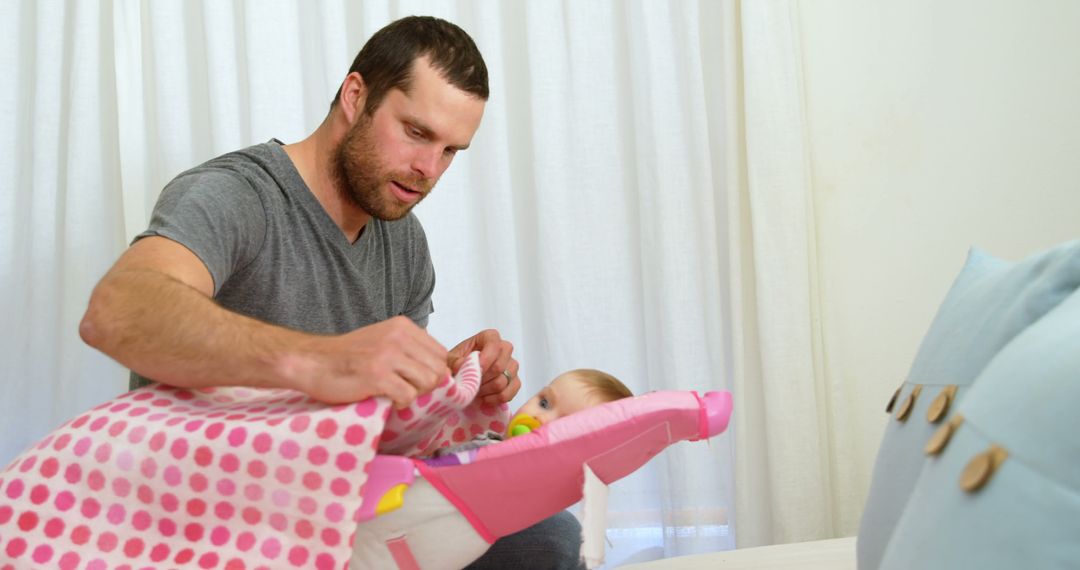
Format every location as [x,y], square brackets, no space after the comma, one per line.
[834,554]
[437,534]
[594,505]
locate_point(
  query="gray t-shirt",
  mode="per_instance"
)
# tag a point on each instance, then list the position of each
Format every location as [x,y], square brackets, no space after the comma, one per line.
[277,256]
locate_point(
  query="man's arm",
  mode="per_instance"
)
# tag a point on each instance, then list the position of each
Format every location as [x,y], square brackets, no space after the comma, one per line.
[153,313]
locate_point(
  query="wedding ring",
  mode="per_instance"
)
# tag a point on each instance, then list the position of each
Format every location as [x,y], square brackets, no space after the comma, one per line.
[509,376]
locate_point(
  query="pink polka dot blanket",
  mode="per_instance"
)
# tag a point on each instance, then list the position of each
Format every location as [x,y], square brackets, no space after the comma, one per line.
[230,478]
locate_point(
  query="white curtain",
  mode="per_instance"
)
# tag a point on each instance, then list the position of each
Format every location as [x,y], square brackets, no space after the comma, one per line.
[588,222]
[60,210]
[788,453]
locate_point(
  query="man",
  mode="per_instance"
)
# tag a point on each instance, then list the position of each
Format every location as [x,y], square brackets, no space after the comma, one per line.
[301,266]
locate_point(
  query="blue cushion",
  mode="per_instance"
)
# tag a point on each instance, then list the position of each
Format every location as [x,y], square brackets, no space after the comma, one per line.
[989,304]
[1026,513]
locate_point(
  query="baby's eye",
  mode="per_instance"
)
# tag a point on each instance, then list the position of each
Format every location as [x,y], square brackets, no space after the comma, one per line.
[545,404]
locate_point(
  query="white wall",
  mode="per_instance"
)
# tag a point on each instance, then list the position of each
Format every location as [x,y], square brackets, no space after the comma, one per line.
[933,126]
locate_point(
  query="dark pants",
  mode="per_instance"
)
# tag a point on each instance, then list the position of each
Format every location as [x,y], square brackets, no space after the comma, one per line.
[551,544]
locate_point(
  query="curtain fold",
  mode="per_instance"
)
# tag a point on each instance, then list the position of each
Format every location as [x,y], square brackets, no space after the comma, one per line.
[587,222]
[60,210]
[782,428]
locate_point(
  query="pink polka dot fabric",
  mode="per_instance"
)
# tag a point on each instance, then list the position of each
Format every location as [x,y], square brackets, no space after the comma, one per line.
[421,428]
[229,478]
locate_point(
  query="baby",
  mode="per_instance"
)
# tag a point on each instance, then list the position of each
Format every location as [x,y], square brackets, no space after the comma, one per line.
[569,392]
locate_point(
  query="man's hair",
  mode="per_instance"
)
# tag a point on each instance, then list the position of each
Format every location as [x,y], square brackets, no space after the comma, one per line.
[386,60]
[607,387]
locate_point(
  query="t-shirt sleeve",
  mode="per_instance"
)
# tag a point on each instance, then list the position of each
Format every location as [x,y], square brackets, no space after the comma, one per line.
[419,306]
[215,214]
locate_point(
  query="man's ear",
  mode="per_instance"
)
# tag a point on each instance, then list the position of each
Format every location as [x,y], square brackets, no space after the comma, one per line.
[353,96]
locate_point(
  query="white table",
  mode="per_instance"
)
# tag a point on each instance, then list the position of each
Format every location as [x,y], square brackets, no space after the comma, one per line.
[833,554]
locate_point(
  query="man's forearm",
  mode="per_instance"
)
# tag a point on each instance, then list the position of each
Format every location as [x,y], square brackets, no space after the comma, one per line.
[165,330]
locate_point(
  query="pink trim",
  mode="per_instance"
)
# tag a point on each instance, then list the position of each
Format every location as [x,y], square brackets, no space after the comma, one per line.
[403,556]
[384,472]
[718,409]
[703,418]
[432,476]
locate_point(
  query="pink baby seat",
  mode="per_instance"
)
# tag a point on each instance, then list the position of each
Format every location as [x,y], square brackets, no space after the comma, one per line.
[466,501]
[249,479]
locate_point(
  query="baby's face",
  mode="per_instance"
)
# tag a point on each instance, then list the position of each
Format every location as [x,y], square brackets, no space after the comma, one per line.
[565,395]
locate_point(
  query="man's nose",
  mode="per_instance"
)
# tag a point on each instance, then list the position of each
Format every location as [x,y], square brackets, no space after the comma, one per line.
[426,161]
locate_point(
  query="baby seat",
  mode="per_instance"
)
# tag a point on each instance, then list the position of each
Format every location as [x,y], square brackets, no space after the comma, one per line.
[253,479]
[445,512]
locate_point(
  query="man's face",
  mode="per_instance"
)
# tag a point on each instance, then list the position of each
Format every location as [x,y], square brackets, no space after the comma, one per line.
[565,395]
[389,161]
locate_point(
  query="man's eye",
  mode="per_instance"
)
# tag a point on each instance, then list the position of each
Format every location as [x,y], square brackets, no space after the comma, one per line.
[415,133]
[545,404]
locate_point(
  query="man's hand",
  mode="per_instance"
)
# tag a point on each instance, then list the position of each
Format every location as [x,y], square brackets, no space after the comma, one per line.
[495,359]
[393,358]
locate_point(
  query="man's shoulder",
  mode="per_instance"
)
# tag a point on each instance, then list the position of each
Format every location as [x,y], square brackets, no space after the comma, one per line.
[251,162]
[258,170]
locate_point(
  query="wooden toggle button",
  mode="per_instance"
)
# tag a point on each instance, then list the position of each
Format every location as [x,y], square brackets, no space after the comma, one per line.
[904,410]
[892,401]
[982,467]
[939,408]
[941,437]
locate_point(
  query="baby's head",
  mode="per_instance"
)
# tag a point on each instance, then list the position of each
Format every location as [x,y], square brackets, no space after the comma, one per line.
[571,392]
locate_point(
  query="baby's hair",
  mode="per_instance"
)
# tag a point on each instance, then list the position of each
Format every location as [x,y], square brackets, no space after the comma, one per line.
[602,384]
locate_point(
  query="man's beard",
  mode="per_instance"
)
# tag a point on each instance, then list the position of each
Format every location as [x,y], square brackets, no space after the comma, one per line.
[361,176]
